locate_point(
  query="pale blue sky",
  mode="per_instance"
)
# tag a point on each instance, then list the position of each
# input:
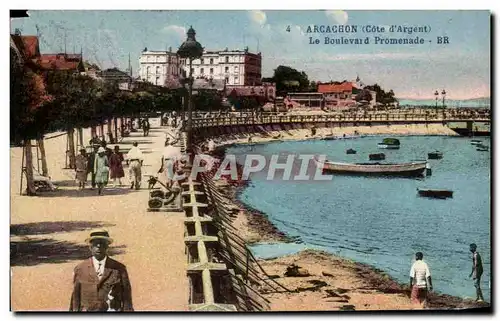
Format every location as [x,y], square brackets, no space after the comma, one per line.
[462,67]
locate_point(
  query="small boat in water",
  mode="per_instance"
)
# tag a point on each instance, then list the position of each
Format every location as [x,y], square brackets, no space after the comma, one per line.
[412,169]
[435,155]
[482,148]
[435,193]
[329,137]
[350,151]
[476,142]
[389,143]
[379,156]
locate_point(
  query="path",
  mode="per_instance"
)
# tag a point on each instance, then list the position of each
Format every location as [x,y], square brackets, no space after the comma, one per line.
[50,231]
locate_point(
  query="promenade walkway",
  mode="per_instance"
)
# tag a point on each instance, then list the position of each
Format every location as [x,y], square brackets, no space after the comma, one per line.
[48,232]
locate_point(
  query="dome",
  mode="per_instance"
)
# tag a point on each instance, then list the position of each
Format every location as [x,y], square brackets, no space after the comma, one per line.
[190,48]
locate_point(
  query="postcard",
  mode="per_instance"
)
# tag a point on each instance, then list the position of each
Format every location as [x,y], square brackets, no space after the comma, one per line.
[259,160]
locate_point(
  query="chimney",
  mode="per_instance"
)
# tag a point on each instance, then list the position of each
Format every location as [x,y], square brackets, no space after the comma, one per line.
[169,49]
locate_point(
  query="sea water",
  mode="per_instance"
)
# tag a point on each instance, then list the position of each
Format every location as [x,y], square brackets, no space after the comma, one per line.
[382,221]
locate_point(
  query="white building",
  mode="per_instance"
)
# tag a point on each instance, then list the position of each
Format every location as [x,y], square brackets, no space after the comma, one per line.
[159,67]
[235,67]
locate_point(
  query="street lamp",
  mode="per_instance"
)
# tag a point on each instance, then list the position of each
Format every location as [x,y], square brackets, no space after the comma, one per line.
[436,94]
[190,49]
[443,93]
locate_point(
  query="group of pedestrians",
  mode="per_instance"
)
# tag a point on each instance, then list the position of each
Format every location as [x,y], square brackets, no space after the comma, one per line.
[104,164]
[421,281]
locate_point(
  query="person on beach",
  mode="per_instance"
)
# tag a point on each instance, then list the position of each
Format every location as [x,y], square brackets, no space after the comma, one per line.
[116,166]
[420,280]
[81,162]
[477,272]
[100,283]
[135,159]
[101,169]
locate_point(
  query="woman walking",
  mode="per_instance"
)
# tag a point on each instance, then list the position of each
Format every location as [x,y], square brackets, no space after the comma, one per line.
[101,169]
[81,162]
[116,167]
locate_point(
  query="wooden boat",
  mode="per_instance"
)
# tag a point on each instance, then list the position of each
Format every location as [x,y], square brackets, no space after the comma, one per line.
[379,156]
[389,143]
[482,148]
[412,169]
[435,193]
[476,142]
[435,155]
[350,151]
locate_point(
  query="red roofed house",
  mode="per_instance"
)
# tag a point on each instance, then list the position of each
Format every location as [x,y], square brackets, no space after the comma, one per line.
[62,62]
[25,48]
[339,95]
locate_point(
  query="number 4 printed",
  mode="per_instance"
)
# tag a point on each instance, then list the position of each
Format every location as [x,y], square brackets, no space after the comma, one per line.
[288,28]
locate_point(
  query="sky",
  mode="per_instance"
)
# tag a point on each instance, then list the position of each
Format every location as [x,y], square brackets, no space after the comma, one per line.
[461,67]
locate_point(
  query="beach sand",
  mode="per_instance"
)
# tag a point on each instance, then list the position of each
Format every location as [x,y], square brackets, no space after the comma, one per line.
[303,134]
[48,233]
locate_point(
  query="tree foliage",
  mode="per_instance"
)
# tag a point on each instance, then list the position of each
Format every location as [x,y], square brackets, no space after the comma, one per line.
[288,79]
[364,95]
[383,97]
[28,98]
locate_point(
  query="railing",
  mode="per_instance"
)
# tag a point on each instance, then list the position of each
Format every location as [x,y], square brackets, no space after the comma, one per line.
[338,118]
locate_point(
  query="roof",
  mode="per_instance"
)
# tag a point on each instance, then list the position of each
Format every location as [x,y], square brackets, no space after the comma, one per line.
[216,84]
[336,88]
[60,61]
[27,46]
[246,90]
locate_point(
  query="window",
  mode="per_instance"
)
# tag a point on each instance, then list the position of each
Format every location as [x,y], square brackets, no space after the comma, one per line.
[227,59]
[157,70]
[148,70]
[227,69]
[211,71]
[236,69]
[211,61]
[202,71]
[236,80]
[202,61]
[192,70]
[227,80]
[157,81]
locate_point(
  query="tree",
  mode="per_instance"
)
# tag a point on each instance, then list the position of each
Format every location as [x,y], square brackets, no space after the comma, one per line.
[74,95]
[313,86]
[383,97]
[363,95]
[288,79]
[28,111]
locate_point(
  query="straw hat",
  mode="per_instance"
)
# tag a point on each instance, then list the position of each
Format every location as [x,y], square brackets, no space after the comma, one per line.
[101,150]
[99,235]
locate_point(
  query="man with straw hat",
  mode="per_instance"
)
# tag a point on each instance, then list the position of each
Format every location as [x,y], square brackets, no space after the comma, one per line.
[100,283]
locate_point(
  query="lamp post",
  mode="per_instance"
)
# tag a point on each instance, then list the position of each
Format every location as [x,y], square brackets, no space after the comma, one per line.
[443,93]
[436,94]
[190,49]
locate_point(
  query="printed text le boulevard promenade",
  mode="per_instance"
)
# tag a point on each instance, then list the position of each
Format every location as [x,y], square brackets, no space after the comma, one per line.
[373,34]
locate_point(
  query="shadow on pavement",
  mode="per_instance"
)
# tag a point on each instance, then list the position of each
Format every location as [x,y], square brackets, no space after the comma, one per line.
[137,141]
[86,192]
[54,227]
[39,251]
[67,182]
